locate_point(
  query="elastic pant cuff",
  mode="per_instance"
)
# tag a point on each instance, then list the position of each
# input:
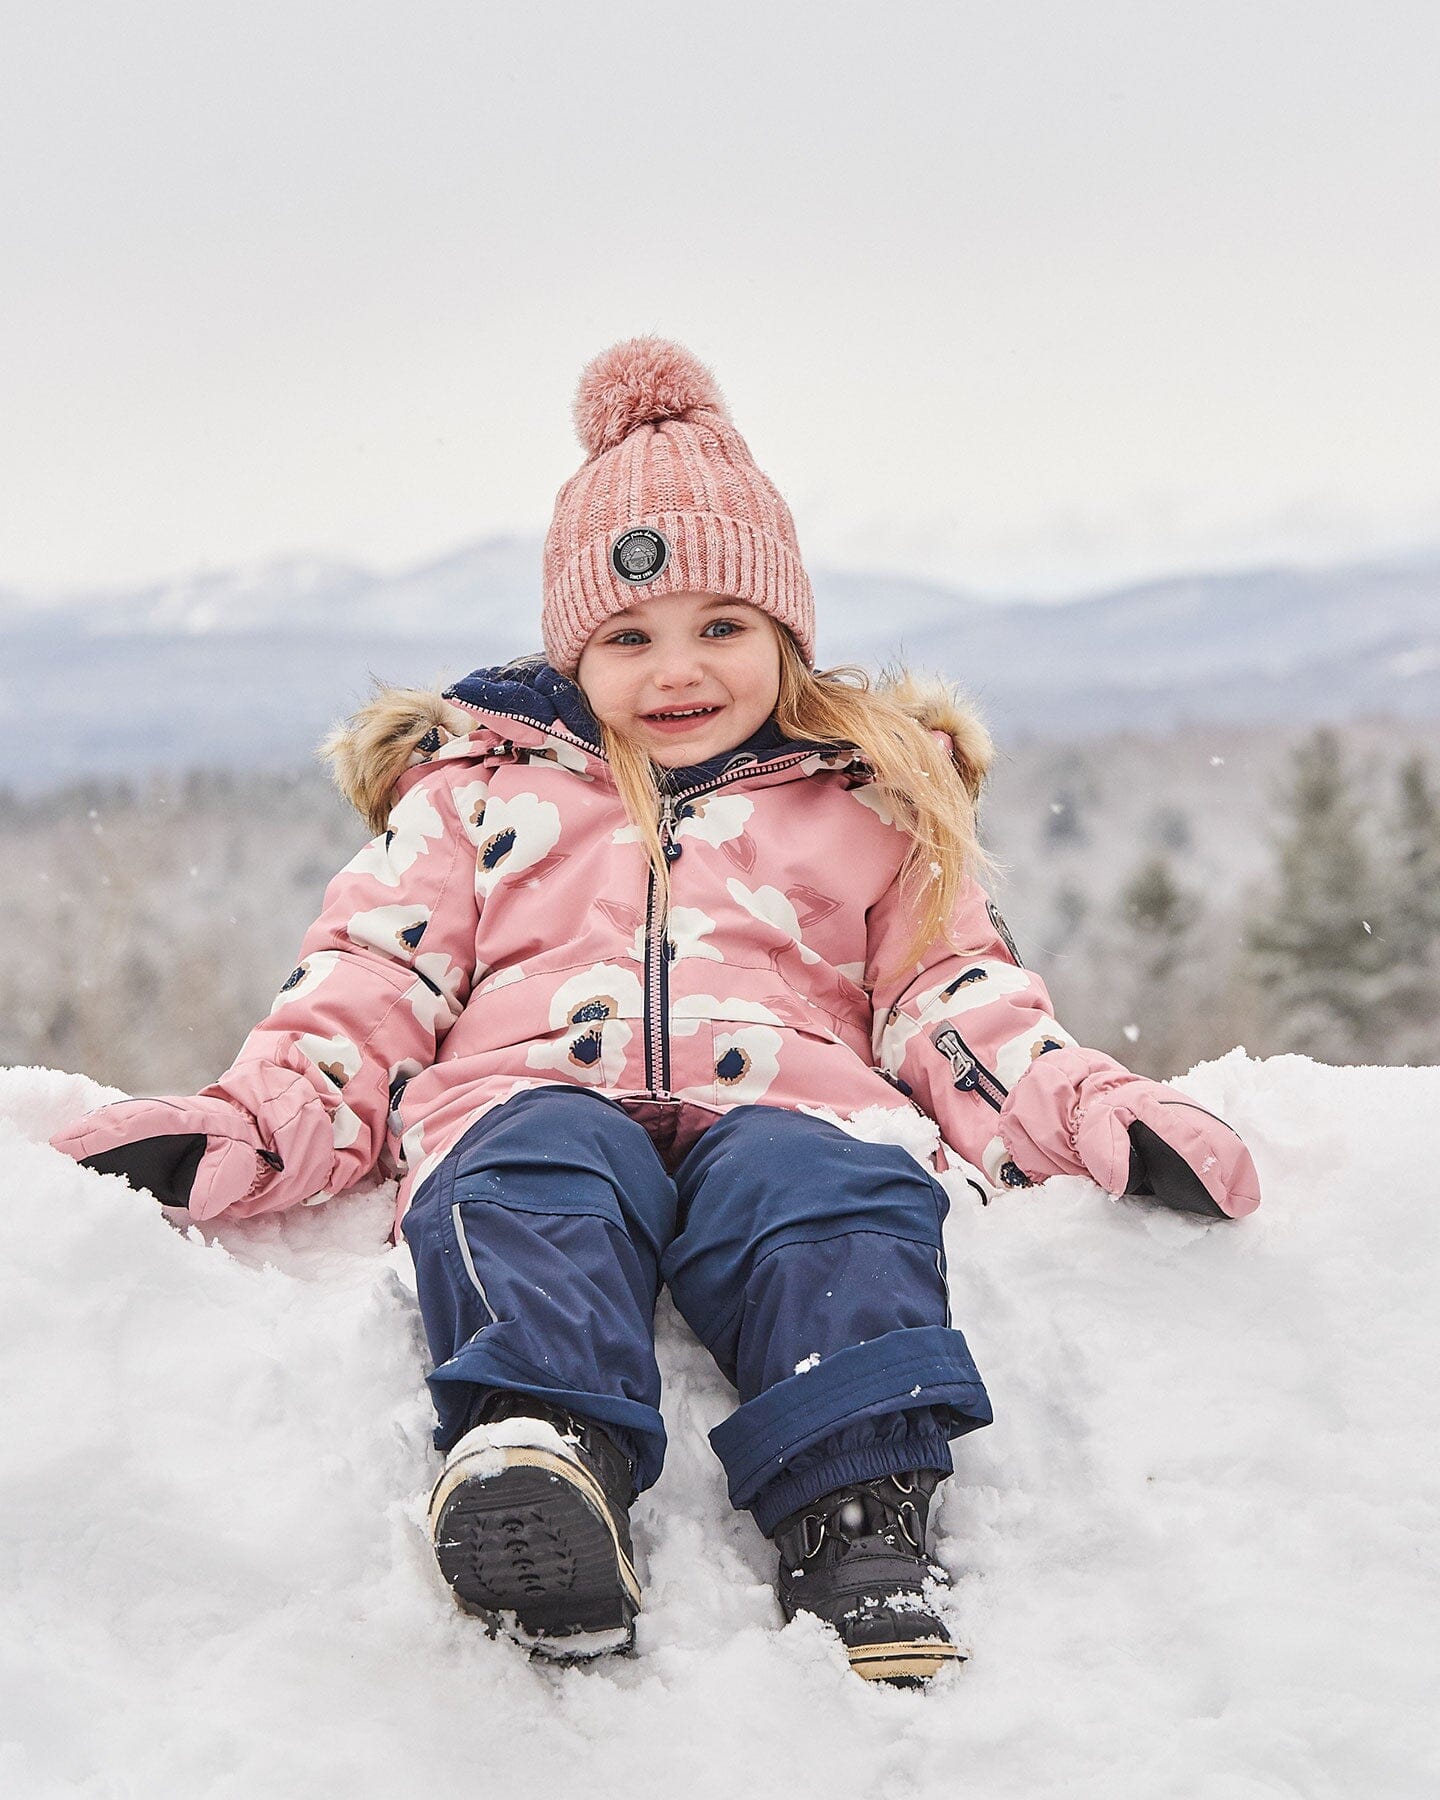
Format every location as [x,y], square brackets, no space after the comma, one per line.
[778,1499]
[903,1371]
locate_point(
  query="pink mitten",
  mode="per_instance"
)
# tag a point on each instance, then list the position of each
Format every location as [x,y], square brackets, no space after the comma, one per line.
[1077,1112]
[202,1152]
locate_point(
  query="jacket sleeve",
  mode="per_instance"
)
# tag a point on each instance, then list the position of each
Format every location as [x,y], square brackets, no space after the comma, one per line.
[959,1028]
[382,975]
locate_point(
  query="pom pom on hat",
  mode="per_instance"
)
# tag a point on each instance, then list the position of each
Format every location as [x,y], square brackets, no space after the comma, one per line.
[638,382]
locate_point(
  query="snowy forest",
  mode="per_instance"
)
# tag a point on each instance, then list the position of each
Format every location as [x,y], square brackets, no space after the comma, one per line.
[1277,889]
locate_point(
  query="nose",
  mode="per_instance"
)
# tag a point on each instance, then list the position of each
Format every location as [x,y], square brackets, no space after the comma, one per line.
[677,669]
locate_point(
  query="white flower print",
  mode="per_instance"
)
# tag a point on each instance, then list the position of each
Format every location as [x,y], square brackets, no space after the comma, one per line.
[869,795]
[747,1060]
[1014,1058]
[616,991]
[977,984]
[338,1059]
[519,831]
[892,1040]
[397,930]
[687,928]
[772,907]
[1000,1170]
[591,1011]
[345,1126]
[567,756]
[335,1057]
[715,819]
[690,1010]
[435,998]
[596,1053]
[306,978]
[470,798]
[505,977]
[414,824]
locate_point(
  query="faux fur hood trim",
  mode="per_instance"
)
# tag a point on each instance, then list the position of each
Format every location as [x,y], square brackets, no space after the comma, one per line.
[404,726]
[371,751]
[938,705]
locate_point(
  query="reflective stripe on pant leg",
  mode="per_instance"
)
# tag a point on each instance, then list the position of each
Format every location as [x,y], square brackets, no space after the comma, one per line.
[536,1246]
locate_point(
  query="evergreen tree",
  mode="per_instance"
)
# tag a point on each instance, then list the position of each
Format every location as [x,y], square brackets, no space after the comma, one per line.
[1412,919]
[1161,913]
[1158,981]
[1319,956]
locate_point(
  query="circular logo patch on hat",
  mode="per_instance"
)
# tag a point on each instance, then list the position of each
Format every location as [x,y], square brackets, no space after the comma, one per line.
[639,554]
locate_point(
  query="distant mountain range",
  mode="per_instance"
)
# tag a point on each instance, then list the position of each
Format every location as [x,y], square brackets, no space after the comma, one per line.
[248,667]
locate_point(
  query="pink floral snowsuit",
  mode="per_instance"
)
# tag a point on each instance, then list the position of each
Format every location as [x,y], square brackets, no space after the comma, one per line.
[504,934]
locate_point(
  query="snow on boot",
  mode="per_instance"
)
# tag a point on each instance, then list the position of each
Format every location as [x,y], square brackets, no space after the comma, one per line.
[530,1523]
[858,1559]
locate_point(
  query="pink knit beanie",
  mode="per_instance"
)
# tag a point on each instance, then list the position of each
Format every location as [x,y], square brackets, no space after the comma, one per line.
[668,501]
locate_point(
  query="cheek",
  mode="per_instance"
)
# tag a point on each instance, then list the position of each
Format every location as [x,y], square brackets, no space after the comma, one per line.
[603,689]
[763,684]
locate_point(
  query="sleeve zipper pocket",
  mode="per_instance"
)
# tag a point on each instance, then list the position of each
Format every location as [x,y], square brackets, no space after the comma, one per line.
[967,1072]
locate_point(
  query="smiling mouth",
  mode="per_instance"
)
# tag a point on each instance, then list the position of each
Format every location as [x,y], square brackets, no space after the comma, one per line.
[678,714]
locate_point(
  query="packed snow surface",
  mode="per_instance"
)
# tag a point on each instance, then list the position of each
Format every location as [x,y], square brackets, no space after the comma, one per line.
[1194,1555]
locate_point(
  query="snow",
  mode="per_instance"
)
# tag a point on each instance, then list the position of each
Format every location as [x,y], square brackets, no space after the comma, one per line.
[1195,1554]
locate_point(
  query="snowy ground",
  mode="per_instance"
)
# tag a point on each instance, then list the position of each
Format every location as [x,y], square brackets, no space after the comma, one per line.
[1196,1553]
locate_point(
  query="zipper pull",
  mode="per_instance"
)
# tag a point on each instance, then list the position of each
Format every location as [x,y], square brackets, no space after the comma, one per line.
[669,849]
[963,1069]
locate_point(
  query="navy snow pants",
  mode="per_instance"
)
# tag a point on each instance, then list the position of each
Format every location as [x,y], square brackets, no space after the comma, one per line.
[807,1262]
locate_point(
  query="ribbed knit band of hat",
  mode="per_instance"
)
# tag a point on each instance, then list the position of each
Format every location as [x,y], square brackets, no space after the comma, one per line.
[668,501]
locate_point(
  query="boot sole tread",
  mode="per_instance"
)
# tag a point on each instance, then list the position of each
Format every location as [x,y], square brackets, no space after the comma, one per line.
[535,1540]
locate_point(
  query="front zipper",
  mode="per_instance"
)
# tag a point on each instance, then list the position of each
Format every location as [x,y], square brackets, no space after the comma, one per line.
[656,1020]
[657,919]
[657,972]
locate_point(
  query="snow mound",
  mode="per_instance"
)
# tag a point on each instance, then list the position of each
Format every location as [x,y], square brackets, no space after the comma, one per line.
[1195,1554]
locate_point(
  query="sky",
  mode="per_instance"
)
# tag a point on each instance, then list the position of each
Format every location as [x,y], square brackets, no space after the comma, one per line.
[1030,298]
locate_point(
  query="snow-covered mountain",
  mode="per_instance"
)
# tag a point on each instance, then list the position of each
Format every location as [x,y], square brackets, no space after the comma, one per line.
[247,667]
[1194,1554]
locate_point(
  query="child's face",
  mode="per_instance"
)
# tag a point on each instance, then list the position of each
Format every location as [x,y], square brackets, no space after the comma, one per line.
[687,676]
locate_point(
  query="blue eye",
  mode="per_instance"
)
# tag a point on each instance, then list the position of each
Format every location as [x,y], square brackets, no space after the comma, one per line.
[722,627]
[627,638]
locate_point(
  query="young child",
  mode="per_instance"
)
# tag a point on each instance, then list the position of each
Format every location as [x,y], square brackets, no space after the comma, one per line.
[662,947]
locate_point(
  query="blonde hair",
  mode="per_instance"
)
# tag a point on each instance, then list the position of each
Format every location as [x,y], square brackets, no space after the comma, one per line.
[929,798]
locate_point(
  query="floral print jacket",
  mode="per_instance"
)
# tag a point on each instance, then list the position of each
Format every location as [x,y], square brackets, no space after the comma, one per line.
[503,929]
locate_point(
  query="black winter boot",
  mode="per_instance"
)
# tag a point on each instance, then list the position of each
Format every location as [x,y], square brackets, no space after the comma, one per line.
[859,1559]
[530,1523]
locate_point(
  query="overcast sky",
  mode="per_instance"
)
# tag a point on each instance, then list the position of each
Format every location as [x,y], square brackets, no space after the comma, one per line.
[1032,296]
